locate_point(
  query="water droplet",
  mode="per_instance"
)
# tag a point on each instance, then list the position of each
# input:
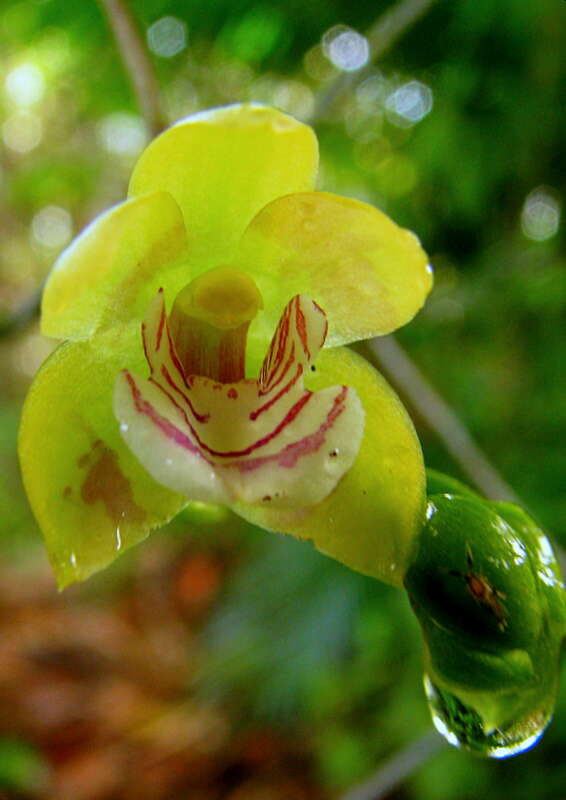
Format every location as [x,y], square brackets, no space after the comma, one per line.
[463,726]
[124,427]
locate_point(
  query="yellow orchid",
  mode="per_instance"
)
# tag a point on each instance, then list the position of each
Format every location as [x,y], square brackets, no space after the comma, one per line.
[260,272]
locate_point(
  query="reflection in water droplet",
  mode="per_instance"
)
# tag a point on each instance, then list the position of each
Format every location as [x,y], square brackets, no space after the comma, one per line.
[73,560]
[462,725]
[118,539]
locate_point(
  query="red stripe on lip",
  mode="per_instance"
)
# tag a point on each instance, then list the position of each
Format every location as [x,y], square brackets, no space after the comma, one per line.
[302,326]
[276,351]
[255,414]
[290,454]
[160,326]
[263,391]
[203,418]
[142,406]
[287,420]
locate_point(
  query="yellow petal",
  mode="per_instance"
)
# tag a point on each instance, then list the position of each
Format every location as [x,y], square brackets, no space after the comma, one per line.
[371,520]
[112,269]
[369,275]
[90,495]
[222,166]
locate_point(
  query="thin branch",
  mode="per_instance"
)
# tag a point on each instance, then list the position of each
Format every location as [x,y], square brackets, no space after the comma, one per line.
[137,62]
[382,35]
[400,767]
[440,418]
[26,313]
[138,66]
[387,354]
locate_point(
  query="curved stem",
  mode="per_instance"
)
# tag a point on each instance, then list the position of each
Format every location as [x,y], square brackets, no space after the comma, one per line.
[439,417]
[136,61]
[23,316]
[400,767]
[382,35]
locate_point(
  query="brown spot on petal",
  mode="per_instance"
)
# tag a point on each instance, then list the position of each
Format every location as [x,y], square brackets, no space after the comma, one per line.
[67,491]
[85,458]
[105,482]
[232,394]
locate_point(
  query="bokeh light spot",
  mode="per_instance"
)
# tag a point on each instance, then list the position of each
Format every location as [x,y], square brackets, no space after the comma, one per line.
[52,227]
[409,103]
[22,131]
[295,98]
[123,134]
[347,49]
[167,37]
[540,215]
[25,84]
[372,92]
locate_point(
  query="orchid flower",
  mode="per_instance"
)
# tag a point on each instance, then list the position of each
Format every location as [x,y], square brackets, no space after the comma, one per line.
[193,314]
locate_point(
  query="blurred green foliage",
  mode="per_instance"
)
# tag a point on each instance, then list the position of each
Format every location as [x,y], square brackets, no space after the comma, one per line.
[458,134]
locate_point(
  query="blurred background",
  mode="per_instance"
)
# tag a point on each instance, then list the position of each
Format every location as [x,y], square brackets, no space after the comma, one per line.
[215,661]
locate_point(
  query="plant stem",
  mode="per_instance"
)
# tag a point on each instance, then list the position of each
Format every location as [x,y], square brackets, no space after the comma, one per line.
[382,35]
[27,312]
[137,62]
[395,362]
[396,771]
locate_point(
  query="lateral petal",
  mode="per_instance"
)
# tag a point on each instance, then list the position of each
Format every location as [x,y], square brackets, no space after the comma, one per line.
[90,495]
[109,273]
[371,520]
[368,274]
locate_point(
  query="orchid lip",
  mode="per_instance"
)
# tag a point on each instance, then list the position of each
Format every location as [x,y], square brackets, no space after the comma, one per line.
[201,428]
